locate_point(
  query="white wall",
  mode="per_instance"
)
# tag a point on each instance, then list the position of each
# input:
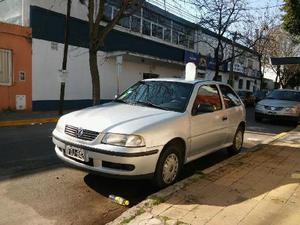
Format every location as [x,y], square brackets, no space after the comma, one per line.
[78,10]
[46,62]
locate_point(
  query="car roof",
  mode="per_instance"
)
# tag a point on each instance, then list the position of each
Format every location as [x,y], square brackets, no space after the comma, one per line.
[181,80]
[286,90]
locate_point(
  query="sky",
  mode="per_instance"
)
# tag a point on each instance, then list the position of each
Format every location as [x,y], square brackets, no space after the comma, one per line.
[186,11]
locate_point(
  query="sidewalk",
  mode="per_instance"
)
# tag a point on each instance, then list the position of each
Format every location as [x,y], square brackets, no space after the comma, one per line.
[253,188]
[27,118]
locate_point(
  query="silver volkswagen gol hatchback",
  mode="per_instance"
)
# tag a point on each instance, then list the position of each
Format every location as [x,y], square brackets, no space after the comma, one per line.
[153,129]
[283,104]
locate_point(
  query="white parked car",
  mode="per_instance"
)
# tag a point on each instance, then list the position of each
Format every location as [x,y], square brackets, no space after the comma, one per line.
[282,104]
[153,129]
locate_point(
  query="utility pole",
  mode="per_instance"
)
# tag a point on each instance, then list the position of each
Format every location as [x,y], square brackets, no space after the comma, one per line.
[231,75]
[63,70]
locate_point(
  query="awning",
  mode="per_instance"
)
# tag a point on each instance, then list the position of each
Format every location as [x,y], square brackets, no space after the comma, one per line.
[285,60]
[132,56]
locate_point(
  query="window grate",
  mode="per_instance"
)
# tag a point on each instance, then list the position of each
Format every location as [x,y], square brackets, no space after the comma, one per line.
[5,67]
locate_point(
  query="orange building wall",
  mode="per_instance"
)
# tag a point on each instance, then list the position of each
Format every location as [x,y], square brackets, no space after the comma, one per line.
[17,39]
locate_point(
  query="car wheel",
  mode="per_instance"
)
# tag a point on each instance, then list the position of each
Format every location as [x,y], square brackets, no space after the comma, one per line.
[258,118]
[168,166]
[238,141]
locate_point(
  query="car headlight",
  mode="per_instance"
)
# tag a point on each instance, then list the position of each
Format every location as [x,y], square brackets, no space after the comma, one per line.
[60,126]
[125,140]
[293,109]
[259,107]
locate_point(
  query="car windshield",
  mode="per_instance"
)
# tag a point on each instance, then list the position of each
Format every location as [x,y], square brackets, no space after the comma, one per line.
[285,95]
[242,93]
[260,94]
[166,95]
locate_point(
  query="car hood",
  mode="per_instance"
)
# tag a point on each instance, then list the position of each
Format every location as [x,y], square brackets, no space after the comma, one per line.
[117,117]
[277,103]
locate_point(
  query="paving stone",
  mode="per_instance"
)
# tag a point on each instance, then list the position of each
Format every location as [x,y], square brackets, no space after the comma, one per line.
[155,221]
[174,213]
[255,188]
[172,222]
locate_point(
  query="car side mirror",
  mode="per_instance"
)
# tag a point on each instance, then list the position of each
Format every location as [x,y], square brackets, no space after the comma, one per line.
[203,108]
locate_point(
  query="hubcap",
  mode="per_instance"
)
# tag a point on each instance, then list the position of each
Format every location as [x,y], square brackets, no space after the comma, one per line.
[239,140]
[170,168]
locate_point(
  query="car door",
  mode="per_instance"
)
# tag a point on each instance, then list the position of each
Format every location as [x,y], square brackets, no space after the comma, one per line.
[234,110]
[209,122]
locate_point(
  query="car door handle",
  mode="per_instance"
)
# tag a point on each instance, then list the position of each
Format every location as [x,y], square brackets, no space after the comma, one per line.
[224,118]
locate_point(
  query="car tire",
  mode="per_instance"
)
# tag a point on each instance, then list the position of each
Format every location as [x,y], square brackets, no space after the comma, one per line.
[258,118]
[168,166]
[238,141]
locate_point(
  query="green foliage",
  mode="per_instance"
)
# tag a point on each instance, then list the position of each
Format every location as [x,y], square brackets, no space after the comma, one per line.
[295,80]
[291,18]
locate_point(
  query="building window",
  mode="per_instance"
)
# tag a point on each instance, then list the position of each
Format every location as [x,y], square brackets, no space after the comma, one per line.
[175,37]
[241,83]
[108,12]
[125,22]
[135,24]
[250,63]
[22,76]
[200,75]
[219,78]
[5,67]
[146,27]
[167,34]
[150,75]
[157,31]
[248,84]
[155,25]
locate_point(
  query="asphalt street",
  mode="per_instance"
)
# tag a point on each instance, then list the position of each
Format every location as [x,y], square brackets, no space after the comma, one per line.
[37,188]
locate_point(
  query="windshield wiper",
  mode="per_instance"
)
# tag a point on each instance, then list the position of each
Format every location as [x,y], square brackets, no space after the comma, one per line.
[120,100]
[150,104]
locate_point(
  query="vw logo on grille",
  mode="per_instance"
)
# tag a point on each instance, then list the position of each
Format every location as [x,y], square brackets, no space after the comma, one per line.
[79,132]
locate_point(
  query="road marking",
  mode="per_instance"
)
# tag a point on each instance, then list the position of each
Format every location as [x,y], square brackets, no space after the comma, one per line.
[253,139]
[28,122]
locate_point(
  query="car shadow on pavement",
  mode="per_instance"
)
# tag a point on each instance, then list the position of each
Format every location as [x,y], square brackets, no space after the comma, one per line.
[271,126]
[137,190]
[270,176]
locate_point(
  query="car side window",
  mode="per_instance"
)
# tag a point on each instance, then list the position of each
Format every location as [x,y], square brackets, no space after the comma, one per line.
[230,97]
[207,100]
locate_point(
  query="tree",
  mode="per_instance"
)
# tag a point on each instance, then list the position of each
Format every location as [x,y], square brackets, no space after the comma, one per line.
[291,18]
[65,57]
[220,16]
[282,45]
[260,36]
[99,28]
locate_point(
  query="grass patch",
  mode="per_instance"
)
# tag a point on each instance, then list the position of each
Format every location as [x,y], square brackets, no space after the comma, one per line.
[157,200]
[139,212]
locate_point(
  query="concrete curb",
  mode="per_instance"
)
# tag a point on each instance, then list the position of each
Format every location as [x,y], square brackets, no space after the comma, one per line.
[151,200]
[28,122]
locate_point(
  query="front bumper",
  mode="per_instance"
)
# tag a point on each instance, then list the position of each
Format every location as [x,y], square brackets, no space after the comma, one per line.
[114,163]
[275,116]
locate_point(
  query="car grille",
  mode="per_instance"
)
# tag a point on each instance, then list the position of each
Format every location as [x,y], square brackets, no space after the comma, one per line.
[80,133]
[273,108]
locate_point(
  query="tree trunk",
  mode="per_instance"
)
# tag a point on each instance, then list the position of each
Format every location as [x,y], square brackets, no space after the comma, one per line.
[95,76]
[260,72]
[65,58]
[217,64]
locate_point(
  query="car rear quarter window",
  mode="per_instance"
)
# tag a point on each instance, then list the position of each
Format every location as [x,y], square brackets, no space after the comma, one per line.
[230,97]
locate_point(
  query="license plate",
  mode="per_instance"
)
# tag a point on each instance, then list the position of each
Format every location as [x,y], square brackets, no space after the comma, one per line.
[76,153]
